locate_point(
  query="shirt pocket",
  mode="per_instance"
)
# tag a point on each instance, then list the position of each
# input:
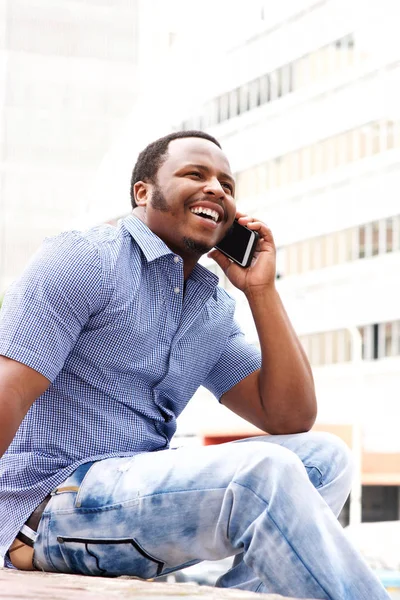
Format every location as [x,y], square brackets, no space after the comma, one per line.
[109,557]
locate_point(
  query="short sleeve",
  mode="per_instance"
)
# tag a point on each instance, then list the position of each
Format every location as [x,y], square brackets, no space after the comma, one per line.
[238,360]
[45,310]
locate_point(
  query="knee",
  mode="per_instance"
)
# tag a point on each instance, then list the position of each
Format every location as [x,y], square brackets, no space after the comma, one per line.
[270,461]
[334,456]
[334,447]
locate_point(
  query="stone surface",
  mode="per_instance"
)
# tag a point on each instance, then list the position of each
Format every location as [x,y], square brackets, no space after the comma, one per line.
[38,586]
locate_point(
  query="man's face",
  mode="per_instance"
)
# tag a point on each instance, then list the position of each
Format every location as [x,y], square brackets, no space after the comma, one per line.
[191,205]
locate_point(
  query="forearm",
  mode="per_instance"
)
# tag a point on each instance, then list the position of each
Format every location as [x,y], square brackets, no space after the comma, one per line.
[11,415]
[286,386]
[19,387]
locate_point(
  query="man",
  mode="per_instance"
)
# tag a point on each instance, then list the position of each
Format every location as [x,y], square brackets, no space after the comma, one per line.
[104,339]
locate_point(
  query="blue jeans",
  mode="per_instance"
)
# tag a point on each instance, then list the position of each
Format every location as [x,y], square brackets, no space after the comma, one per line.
[271,501]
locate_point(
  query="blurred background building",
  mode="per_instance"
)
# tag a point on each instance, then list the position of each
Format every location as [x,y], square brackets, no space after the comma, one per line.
[308,111]
[304,96]
[69,77]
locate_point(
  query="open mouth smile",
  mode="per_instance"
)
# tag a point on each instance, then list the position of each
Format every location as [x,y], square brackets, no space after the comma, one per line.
[206,213]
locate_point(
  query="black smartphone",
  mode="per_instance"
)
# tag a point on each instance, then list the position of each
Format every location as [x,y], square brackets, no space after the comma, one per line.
[239,244]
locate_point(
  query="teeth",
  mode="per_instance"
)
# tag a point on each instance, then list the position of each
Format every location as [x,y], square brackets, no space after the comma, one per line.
[199,210]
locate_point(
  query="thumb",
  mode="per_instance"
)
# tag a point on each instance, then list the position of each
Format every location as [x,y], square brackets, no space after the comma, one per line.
[221,260]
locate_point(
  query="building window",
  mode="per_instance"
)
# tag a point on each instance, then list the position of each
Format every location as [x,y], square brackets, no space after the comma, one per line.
[284,80]
[396,232]
[389,235]
[361,241]
[326,155]
[244,103]
[213,112]
[395,338]
[274,85]
[264,89]
[375,226]
[224,107]
[379,340]
[234,103]
[364,241]
[254,94]
[380,503]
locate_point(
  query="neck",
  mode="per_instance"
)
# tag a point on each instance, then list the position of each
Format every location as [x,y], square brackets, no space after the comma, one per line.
[190,258]
[188,267]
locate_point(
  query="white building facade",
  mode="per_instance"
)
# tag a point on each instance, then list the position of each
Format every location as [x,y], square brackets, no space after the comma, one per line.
[308,112]
[69,77]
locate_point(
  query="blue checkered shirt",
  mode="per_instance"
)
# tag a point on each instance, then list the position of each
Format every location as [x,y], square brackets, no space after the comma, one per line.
[105,315]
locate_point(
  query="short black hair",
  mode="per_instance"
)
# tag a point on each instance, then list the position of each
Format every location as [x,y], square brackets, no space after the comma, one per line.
[152,157]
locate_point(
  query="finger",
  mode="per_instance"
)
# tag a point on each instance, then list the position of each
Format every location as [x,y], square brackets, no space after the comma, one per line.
[256,225]
[263,231]
[250,222]
[243,218]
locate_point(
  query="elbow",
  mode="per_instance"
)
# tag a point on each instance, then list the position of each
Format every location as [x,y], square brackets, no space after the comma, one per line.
[295,421]
[306,420]
[290,428]
[303,425]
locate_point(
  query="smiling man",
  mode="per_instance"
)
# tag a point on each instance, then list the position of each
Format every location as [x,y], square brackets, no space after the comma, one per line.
[104,340]
[190,204]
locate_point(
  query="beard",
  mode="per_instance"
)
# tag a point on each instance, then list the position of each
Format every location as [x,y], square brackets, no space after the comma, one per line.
[158,202]
[196,248]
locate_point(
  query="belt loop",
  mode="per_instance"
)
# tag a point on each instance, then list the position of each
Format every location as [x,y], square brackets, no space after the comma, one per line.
[66,488]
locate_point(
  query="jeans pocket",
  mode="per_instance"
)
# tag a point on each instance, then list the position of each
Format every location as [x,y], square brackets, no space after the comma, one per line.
[110,558]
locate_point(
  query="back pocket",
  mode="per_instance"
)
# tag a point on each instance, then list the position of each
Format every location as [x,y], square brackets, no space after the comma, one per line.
[110,558]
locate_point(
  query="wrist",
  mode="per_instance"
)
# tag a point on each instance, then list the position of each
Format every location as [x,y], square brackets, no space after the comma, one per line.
[265,292]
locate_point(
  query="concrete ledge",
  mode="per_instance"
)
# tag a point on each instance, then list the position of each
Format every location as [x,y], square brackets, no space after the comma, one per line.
[51,586]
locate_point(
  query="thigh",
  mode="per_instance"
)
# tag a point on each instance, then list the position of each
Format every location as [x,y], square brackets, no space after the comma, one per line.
[148,514]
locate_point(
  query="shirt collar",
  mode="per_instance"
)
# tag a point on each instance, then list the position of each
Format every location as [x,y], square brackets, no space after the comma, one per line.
[153,248]
[151,245]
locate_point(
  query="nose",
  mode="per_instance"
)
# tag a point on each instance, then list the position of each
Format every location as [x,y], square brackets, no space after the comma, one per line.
[213,187]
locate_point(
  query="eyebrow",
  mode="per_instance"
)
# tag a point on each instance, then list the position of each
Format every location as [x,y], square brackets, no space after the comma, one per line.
[204,168]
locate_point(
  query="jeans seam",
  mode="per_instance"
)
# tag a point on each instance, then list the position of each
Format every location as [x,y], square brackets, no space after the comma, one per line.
[282,534]
[185,491]
[46,544]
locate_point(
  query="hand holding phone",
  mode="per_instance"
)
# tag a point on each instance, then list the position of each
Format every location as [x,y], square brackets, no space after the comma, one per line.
[239,244]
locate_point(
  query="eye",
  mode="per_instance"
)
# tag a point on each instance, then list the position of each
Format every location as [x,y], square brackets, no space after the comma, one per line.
[227,186]
[195,174]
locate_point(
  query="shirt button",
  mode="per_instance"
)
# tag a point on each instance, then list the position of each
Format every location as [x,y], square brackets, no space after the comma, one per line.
[177,290]
[176,259]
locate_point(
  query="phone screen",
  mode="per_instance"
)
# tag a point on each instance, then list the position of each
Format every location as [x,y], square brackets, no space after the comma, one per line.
[239,244]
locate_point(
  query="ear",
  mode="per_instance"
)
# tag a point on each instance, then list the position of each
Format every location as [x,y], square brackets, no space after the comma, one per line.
[142,193]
